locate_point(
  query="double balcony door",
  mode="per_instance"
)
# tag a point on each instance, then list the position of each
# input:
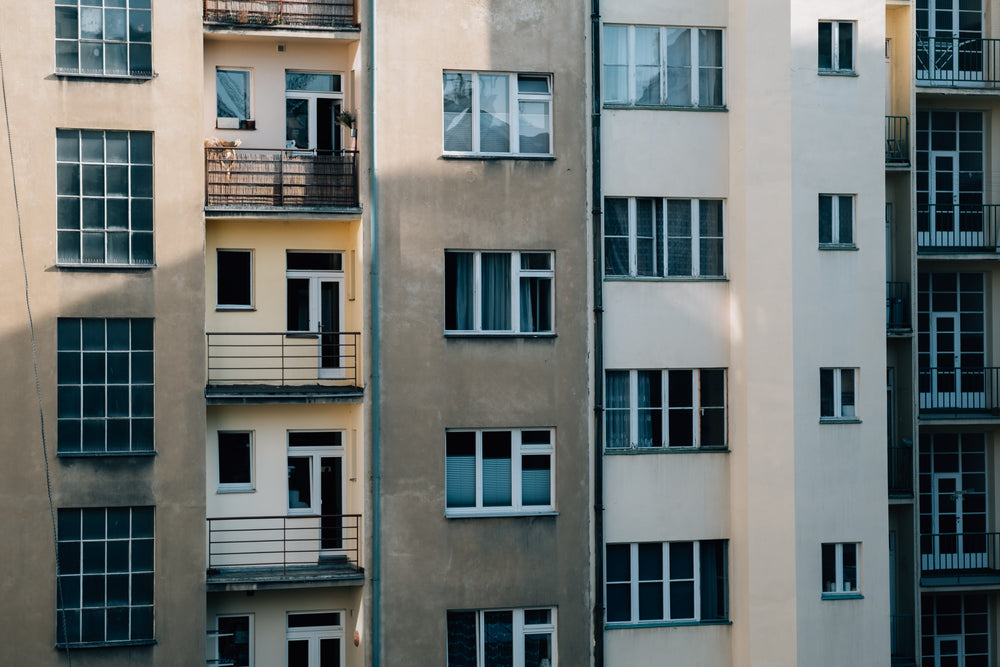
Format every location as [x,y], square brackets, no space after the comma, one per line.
[952,221]
[956,379]
[951,548]
[949,651]
[950,44]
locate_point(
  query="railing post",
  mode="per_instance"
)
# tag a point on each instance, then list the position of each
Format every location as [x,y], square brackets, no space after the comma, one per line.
[280,195]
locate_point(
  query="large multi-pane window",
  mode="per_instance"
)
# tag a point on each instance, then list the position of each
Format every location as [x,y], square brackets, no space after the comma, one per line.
[512,637]
[497,114]
[637,243]
[104,37]
[105,587]
[105,386]
[104,183]
[499,471]
[667,581]
[665,408]
[663,66]
[498,292]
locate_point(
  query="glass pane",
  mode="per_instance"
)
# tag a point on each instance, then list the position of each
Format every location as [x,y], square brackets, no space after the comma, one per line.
[826,392]
[233,270]
[681,560]
[534,130]
[498,639]
[234,458]
[458,281]
[494,113]
[232,93]
[298,653]
[462,639]
[329,83]
[647,66]
[538,650]
[460,469]
[457,112]
[825,219]
[845,46]
[496,469]
[496,296]
[845,209]
[536,480]
[329,653]
[296,123]
[299,482]
[825,45]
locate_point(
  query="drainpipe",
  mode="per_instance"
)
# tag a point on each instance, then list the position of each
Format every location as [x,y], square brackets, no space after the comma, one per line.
[595,129]
[376,463]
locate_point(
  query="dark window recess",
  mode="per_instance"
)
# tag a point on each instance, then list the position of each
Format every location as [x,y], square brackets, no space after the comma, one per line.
[234,458]
[234,276]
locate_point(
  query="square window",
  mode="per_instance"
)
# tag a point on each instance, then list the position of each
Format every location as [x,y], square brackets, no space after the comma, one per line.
[516,637]
[94,606]
[105,389]
[234,278]
[104,200]
[841,568]
[233,98]
[836,221]
[235,461]
[836,47]
[498,292]
[111,38]
[838,390]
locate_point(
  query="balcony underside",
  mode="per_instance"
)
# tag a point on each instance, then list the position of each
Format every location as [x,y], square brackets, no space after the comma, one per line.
[250,394]
[960,578]
[330,574]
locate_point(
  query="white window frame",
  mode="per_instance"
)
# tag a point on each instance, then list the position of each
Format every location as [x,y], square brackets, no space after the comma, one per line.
[235,122]
[311,96]
[696,67]
[840,410]
[520,630]
[840,586]
[218,277]
[513,112]
[660,245]
[313,634]
[235,487]
[315,456]
[837,202]
[516,273]
[220,659]
[315,276]
[518,452]
[835,47]
[665,409]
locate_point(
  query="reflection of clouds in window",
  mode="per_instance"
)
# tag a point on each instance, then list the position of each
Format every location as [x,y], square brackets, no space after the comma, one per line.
[457,112]
[232,94]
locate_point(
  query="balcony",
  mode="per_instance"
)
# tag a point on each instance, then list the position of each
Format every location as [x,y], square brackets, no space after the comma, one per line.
[281,14]
[246,553]
[900,471]
[897,141]
[239,180]
[959,393]
[955,559]
[958,62]
[897,307]
[958,229]
[282,367]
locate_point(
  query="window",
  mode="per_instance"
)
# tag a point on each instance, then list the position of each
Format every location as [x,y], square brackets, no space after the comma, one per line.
[841,568]
[836,220]
[312,104]
[516,637]
[234,640]
[315,639]
[104,183]
[671,408]
[669,581]
[234,99]
[105,586]
[499,472]
[104,38]
[836,46]
[635,244]
[498,292]
[235,461]
[663,66]
[105,386]
[315,472]
[838,394]
[234,278]
[315,294]
[490,99]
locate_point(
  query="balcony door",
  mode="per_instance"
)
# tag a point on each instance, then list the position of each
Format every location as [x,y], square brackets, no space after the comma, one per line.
[312,103]
[943,199]
[316,486]
[949,651]
[315,298]
[950,45]
[954,384]
[951,547]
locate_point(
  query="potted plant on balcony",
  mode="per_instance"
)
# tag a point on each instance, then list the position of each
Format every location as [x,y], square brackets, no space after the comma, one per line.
[346,119]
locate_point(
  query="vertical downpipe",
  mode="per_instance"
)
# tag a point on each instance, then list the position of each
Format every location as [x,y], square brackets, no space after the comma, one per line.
[595,129]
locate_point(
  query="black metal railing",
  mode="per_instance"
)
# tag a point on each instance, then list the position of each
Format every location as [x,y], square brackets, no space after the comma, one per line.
[897,306]
[901,635]
[283,358]
[281,13]
[958,228]
[284,542]
[959,552]
[249,178]
[897,140]
[958,61]
[960,390]
[900,470]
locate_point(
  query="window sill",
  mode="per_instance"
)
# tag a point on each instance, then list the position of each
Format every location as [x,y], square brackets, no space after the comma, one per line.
[236,309]
[235,489]
[666,279]
[639,451]
[493,514]
[839,420]
[105,268]
[502,334]
[843,596]
[131,642]
[96,455]
[486,157]
[661,624]
[663,107]
[835,72]
[837,246]
[116,78]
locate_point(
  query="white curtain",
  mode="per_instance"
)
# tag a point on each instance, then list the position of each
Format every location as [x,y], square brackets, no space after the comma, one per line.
[496,295]
[617,409]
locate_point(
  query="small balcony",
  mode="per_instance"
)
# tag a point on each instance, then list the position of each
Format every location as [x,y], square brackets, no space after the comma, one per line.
[959,393]
[897,307]
[900,471]
[238,181]
[284,552]
[956,559]
[281,14]
[958,62]
[897,141]
[282,367]
[958,229]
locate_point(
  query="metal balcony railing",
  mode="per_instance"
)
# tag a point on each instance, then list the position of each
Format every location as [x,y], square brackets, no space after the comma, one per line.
[897,140]
[946,553]
[283,358]
[335,14]
[959,391]
[958,228]
[901,636]
[897,306]
[285,542]
[255,178]
[900,470]
[958,61]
